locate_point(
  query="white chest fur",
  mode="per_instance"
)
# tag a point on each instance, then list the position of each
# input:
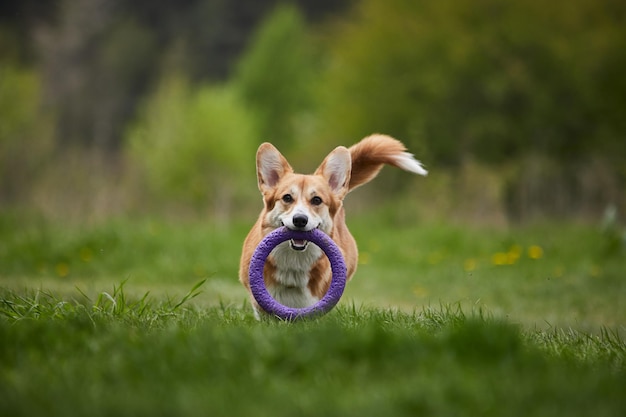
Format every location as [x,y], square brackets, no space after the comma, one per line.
[292,275]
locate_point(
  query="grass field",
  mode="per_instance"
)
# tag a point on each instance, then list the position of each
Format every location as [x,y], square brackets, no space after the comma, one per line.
[136,317]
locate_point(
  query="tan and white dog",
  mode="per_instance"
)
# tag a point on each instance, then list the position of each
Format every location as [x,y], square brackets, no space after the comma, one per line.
[298,274]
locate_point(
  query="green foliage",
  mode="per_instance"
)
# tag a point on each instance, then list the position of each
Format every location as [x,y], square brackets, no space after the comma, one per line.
[485,78]
[194,144]
[275,76]
[25,130]
[124,357]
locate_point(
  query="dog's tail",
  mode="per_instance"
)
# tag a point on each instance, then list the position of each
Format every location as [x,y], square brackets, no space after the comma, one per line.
[371,153]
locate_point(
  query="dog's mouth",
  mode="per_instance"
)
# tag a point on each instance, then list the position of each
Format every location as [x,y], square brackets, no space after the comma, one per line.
[298,244]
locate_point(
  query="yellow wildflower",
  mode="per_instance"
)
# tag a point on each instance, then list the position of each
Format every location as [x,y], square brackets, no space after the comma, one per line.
[535,252]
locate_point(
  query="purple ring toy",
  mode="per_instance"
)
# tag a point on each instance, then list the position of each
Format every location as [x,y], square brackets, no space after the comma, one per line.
[265,299]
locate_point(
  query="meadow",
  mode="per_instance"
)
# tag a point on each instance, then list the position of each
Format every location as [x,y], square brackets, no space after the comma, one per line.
[145,315]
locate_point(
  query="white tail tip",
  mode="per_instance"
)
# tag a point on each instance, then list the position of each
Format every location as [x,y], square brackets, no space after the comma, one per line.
[407,162]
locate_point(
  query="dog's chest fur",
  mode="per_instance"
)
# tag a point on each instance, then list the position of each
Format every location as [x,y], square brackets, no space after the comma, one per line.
[291,272]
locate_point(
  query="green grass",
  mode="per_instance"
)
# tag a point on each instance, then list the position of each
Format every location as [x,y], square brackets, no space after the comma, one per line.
[162,257]
[135,317]
[547,275]
[578,280]
[114,356]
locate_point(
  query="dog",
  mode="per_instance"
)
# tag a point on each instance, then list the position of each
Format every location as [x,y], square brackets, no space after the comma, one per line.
[298,274]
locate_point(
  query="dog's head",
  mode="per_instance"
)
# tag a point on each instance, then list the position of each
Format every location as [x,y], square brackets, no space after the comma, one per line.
[297,201]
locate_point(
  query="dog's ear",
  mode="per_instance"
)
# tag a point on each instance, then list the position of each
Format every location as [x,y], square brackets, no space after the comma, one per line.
[336,169]
[271,165]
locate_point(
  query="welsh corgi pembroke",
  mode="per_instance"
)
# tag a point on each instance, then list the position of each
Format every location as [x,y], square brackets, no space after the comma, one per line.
[298,274]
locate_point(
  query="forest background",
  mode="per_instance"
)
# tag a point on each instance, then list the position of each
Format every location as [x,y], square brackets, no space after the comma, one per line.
[112,108]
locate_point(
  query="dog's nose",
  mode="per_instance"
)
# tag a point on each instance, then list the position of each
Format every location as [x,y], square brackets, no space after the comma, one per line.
[300,220]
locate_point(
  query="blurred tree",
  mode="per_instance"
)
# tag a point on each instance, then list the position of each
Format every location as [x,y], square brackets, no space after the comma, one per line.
[195,144]
[275,76]
[100,57]
[96,62]
[482,78]
[25,131]
[18,22]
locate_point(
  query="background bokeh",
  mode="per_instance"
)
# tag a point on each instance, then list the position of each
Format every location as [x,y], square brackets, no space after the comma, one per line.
[112,108]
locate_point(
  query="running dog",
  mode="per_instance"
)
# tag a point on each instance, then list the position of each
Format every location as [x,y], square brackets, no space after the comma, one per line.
[298,274]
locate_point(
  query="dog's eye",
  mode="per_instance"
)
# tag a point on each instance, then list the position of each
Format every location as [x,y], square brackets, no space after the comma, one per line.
[316,201]
[287,198]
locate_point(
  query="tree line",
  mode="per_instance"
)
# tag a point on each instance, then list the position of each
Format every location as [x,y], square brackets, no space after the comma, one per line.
[533,90]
